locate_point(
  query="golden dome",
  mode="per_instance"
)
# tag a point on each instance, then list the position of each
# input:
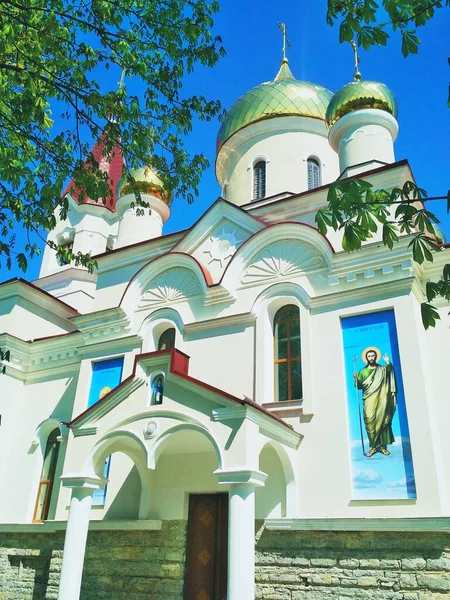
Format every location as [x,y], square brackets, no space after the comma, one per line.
[285,96]
[147,182]
[358,95]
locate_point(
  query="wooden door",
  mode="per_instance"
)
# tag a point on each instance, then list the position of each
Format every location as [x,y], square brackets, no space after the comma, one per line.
[207,548]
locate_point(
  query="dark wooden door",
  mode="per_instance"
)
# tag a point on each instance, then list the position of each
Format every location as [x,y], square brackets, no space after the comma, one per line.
[207,548]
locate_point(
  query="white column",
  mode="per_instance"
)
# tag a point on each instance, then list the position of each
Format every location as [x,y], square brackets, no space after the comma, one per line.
[241,530]
[75,544]
[241,541]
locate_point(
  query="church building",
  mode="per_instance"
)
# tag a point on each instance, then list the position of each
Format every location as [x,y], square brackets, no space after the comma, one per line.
[241,409]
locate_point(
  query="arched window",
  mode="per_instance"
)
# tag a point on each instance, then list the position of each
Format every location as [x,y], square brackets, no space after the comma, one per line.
[47,477]
[313,174]
[167,339]
[288,366]
[259,180]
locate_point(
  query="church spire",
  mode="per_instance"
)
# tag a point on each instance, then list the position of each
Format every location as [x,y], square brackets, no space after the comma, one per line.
[284,73]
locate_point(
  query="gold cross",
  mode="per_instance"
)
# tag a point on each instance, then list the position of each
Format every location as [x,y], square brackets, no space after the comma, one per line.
[357,75]
[282,28]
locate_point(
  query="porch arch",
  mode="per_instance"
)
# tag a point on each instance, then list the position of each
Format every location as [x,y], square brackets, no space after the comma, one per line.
[157,448]
[289,497]
[124,442]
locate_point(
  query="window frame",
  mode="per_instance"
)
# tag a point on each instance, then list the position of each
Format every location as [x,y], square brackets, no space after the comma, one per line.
[260,160]
[49,481]
[165,332]
[312,160]
[289,360]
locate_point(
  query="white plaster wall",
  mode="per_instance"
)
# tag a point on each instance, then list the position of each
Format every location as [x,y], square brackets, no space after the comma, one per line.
[363,137]
[178,475]
[25,323]
[30,406]
[91,226]
[285,143]
[223,358]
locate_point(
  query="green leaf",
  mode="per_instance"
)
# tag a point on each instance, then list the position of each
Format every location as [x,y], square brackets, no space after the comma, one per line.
[389,234]
[429,315]
[448,201]
[22,261]
[410,43]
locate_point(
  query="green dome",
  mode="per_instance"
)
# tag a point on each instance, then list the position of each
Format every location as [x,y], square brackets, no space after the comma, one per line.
[285,96]
[358,95]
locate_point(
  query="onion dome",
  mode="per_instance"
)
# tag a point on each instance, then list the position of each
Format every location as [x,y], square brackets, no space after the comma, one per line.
[359,95]
[284,96]
[147,182]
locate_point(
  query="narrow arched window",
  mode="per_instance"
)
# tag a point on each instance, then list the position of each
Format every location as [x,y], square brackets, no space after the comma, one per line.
[259,180]
[288,365]
[47,477]
[313,174]
[167,339]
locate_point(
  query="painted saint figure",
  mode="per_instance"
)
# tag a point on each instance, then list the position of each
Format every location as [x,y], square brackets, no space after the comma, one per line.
[378,386]
[157,390]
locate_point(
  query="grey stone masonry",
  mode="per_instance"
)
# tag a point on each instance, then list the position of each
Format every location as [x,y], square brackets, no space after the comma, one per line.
[335,565]
[119,565]
[290,565]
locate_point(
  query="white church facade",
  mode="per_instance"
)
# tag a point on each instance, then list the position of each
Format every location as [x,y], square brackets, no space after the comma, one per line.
[239,410]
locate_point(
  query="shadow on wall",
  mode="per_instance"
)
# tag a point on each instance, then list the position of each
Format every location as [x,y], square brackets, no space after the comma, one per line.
[31,571]
[125,504]
[271,498]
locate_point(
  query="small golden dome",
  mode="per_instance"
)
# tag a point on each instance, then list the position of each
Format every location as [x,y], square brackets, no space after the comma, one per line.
[359,95]
[147,182]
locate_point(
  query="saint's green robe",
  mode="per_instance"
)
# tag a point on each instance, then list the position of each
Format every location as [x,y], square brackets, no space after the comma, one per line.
[379,389]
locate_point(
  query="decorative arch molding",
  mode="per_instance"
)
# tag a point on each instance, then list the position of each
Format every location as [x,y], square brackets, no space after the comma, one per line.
[265,307]
[44,429]
[118,440]
[279,252]
[156,449]
[121,440]
[182,422]
[156,323]
[168,279]
[274,297]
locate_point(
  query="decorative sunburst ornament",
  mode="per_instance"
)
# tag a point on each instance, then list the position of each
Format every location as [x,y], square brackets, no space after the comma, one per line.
[221,248]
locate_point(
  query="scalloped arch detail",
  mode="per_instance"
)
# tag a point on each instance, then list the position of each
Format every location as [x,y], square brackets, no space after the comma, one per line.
[282,260]
[170,287]
[165,280]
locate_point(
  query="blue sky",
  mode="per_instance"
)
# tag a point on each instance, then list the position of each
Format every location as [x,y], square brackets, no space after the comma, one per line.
[253,44]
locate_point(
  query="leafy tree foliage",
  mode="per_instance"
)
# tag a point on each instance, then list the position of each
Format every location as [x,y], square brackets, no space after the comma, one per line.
[353,206]
[52,54]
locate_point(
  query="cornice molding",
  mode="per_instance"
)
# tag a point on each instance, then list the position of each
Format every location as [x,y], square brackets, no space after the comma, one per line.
[136,253]
[273,429]
[424,524]
[42,299]
[111,321]
[228,321]
[310,201]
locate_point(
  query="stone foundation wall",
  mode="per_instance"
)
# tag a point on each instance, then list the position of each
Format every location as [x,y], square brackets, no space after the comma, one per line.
[119,565]
[352,566]
[149,565]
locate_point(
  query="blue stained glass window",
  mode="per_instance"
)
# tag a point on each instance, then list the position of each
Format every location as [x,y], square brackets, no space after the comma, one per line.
[106,375]
[99,496]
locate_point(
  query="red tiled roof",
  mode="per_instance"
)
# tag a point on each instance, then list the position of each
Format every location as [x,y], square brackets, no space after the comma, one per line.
[112,164]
